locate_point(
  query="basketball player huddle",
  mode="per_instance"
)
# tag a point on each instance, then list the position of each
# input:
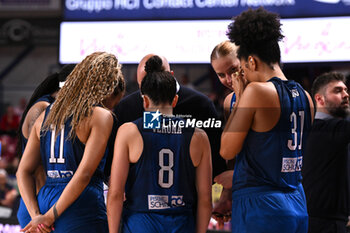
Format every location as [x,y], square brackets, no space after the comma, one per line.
[159,179]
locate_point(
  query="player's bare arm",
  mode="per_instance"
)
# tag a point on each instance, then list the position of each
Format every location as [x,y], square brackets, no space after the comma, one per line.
[258,101]
[33,114]
[95,137]
[30,160]
[201,158]
[127,148]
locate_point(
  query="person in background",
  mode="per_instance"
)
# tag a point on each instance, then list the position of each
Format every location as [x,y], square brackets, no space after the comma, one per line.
[21,106]
[9,122]
[42,97]
[8,126]
[165,172]
[8,194]
[70,139]
[191,104]
[326,168]
[226,65]
[267,130]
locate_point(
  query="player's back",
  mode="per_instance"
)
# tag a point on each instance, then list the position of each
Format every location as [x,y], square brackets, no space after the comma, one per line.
[163,179]
[61,155]
[274,158]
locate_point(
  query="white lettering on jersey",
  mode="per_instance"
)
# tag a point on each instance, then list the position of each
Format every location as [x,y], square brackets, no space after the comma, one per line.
[292,164]
[54,174]
[158,202]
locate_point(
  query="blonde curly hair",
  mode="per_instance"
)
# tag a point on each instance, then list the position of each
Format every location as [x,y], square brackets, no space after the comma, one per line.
[92,80]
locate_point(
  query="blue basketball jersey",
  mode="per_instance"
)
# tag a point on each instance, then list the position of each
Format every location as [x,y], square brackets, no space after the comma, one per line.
[274,158]
[22,212]
[61,158]
[163,179]
[233,101]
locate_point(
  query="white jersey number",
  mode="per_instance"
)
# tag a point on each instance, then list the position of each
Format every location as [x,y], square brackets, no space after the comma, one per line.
[166,168]
[53,159]
[293,119]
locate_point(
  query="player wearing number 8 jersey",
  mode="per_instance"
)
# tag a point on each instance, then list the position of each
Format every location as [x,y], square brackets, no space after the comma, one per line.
[267,130]
[70,140]
[166,171]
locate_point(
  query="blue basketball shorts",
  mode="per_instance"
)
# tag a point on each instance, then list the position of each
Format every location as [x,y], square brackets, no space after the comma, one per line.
[86,214]
[157,223]
[260,210]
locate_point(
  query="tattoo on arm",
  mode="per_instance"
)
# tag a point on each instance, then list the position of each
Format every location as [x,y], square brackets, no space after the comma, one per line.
[55,211]
[32,120]
[34,115]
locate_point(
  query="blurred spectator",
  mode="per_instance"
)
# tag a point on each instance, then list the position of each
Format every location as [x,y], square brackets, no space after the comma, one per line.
[9,121]
[8,194]
[8,159]
[8,147]
[19,109]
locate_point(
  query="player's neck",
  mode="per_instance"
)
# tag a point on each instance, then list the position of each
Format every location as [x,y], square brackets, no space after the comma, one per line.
[164,109]
[270,71]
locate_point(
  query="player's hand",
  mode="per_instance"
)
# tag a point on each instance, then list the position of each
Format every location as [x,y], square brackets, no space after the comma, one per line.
[225,179]
[39,224]
[239,83]
[221,219]
[222,209]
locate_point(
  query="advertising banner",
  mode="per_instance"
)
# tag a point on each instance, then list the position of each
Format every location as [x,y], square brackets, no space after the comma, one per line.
[197,9]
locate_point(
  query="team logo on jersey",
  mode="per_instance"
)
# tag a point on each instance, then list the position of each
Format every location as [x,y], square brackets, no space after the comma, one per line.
[295,93]
[177,201]
[292,164]
[54,174]
[158,202]
[151,120]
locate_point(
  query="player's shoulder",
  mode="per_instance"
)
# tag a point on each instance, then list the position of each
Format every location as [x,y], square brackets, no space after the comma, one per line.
[128,129]
[38,107]
[228,99]
[39,122]
[101,111]
[200,135]
[259,92]
[260,87]
[101,115]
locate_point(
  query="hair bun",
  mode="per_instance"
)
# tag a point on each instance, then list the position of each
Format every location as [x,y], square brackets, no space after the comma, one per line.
[154,64]
[255,27]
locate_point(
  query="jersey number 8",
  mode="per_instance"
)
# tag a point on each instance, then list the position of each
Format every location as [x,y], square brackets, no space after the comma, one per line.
[166,168]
